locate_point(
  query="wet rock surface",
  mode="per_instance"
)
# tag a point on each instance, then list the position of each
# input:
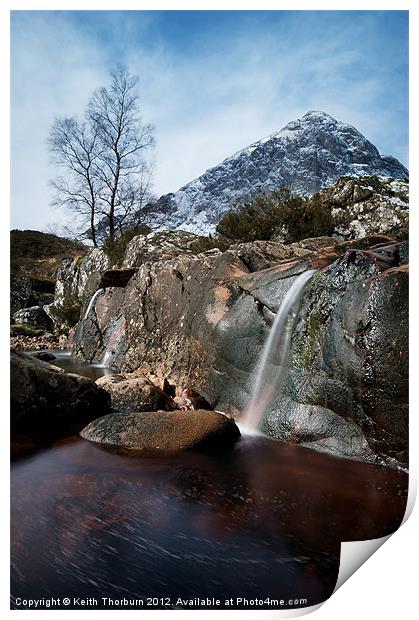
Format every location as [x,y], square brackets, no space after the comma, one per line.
[77,280]
[100,336]
[163,431]
[47,400]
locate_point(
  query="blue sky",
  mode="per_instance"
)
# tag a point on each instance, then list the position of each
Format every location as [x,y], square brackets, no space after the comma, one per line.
[211,83]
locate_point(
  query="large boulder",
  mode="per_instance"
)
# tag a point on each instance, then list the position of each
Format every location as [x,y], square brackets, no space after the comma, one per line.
[46,400]
[35,316]
[135,393]
[163,431]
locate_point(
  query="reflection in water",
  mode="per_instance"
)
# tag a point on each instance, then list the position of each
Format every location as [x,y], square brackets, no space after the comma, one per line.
[67,362]
[265,519]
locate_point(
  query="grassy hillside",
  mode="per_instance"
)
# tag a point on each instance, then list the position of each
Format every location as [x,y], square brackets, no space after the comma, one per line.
[38,255]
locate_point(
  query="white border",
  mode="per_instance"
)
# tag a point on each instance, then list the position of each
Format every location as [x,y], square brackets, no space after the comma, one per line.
[386,586]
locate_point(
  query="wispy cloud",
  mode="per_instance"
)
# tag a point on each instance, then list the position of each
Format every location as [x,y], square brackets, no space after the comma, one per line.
[211,83]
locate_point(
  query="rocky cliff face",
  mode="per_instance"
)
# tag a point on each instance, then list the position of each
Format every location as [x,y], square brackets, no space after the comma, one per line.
[306,155]
[201,320]
[368,205]
[347,389]
[77,280]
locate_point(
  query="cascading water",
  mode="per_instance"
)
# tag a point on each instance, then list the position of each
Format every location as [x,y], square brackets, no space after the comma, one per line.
[89,308]
[92,302]
[116,333]
[272,367]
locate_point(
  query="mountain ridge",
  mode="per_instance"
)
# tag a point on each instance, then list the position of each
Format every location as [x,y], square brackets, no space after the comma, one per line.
[307,154]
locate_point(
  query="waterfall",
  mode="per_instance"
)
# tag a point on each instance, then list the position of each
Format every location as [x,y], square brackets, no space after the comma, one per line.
[116,332]
[92,302]
[272,367]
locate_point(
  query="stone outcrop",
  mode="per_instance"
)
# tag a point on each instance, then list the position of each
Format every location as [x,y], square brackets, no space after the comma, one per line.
[35,316]
[80,278]
[134,392]
[162,245]
[20,292]
[367,206]
[48,401]
[109,331]
[164,431]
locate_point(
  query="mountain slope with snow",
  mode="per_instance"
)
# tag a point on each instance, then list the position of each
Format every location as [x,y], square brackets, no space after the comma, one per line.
[306,155]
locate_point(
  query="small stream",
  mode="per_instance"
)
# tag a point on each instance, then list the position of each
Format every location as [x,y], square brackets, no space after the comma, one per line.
[263,520]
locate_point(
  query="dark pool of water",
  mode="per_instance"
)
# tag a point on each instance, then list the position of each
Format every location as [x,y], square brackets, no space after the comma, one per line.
[64,360]
[263,520]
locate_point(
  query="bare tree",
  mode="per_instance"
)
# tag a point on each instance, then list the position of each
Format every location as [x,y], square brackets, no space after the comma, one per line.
[132,198]
[106,177]
[121,167]
[75,148]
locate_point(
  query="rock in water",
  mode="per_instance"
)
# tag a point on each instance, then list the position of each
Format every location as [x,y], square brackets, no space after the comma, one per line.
[49,401]
[162,430]
[45,356]
[135,393]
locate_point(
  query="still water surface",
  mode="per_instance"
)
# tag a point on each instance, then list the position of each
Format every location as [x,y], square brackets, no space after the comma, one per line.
[64,360]
[262,520]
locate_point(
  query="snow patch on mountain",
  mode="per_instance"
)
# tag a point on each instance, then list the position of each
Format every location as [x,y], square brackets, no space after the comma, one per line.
[306,155]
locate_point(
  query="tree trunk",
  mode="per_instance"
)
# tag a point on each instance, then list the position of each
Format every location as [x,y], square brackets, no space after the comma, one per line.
[92,228]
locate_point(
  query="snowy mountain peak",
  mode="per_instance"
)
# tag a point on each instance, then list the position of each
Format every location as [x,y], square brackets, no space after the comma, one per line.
[318,116]
[307,154]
